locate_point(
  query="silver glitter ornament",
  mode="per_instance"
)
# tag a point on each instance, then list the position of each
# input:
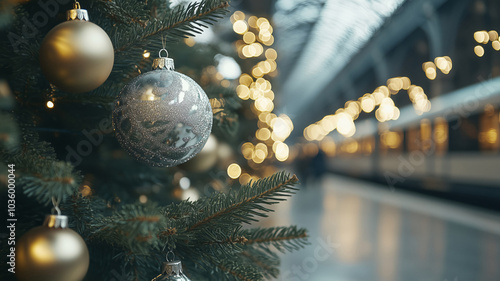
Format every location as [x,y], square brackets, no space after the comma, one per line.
[162,118]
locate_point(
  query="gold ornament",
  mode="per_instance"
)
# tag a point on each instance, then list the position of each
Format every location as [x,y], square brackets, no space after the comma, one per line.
[51,252]
[204,160]
[76,56]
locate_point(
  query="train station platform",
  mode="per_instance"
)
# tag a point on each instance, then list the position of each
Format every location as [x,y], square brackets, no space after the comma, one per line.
[361,231]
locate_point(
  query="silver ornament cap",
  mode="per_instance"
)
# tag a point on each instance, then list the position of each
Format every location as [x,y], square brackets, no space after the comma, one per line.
[77,13]
[172,271]
[165,63]
[172,268]
[56,221]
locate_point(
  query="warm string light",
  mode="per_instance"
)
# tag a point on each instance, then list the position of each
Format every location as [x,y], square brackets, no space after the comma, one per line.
[234,171]
[256,42]
[484,37]
[50,104]
[444,64]
[343,119]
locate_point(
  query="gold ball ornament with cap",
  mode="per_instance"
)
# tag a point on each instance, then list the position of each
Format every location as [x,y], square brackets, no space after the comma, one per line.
[51,252]
[77,55]
[162,117]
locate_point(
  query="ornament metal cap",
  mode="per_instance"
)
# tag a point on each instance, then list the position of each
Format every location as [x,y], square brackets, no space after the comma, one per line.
[172,268]
[163,62]
[56,221]
[77,13]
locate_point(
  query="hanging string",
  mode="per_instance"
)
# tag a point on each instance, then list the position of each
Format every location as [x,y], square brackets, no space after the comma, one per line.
[163,43]
[173,256]
[55,203]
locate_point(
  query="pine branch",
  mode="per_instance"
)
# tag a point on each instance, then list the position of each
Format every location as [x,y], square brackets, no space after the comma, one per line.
[241,271]
[282,238]
[245,204]
[230,240]
[53,179]
[207,235]
[224,104]
[265,259]
[181,22]
[133,227]
[41,175]
[125,12]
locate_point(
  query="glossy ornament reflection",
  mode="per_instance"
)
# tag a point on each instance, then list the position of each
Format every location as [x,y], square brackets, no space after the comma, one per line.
[162,118]
[51,252]
[76,56]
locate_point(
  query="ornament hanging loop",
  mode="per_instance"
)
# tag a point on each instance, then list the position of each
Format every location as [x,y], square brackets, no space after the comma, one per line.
[159,53]
[77,13]
[165,63]
[173,256]
[56,202]
[56,219]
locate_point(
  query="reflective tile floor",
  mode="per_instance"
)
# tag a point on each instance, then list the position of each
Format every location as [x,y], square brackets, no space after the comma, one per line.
[359,232]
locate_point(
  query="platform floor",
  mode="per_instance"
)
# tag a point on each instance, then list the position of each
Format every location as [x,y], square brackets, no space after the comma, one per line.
[362,232]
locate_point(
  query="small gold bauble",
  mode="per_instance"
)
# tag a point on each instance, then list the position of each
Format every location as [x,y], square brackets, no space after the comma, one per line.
[51,252]
[204,160]
[76,56]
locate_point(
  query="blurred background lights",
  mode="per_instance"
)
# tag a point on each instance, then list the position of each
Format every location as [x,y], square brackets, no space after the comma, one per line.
[368,103]
[482,37]
[228,67]
[479,51]
[191,193]
[255,43]
[184,183]
[282,152]
[249,37]
[240,26]
[234,171]
[496,45]
[206,37]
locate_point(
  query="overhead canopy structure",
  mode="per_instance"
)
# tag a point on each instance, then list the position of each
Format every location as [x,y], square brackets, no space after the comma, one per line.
[317,39]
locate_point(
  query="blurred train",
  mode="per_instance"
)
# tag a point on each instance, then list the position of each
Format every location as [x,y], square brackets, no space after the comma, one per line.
[451,151]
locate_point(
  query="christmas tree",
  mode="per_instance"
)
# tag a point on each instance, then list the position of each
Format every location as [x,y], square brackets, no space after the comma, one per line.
[59,153]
